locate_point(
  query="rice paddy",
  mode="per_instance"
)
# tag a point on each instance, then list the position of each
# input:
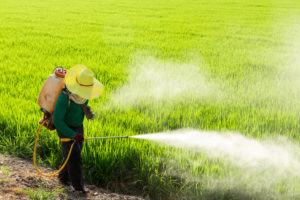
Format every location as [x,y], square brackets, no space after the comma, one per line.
[165,65]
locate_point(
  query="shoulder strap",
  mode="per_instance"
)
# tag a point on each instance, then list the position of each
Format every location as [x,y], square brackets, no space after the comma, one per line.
[69,105]
[67,92]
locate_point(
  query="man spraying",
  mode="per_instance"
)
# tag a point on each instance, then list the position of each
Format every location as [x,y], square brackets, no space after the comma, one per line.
[70,109]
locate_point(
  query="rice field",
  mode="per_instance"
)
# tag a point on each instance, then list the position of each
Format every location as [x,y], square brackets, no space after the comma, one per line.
[236,63]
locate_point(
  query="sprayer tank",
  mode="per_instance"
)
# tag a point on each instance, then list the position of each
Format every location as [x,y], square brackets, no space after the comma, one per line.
[50,92]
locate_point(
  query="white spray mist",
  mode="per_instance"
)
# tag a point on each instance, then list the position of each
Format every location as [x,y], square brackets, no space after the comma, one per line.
[288,81]
[155,81]
[262,165]
[236,147]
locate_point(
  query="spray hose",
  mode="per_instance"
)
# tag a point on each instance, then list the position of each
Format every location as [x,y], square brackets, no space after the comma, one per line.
[34,156]
[69,154]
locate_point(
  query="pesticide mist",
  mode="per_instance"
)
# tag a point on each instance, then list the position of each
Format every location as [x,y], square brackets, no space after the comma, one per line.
[153,81]
[262,166]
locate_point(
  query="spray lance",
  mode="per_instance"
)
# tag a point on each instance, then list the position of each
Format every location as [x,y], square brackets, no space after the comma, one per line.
[51,89]
[94,138]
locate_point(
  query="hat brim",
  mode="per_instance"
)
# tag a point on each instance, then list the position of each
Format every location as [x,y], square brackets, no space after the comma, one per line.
[87,92]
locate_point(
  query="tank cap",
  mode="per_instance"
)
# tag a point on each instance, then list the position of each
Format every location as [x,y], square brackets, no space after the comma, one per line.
[60,71]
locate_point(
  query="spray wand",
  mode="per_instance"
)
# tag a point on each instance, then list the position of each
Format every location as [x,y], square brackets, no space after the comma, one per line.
[93,138]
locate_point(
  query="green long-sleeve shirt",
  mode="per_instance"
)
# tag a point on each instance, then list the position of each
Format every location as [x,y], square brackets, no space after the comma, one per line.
[63,120]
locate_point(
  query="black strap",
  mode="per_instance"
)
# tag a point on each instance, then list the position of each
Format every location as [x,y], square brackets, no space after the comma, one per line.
[69,105]
[67,92]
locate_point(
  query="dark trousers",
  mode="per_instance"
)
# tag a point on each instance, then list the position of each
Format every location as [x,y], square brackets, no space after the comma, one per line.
[73,170]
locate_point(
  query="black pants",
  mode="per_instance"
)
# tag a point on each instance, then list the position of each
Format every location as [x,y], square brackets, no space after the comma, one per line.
[73,170]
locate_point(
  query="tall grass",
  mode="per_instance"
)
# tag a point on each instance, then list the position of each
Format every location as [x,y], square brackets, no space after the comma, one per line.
[242,45]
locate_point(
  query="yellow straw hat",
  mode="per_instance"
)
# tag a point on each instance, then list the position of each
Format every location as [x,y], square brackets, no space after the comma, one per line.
[81,81]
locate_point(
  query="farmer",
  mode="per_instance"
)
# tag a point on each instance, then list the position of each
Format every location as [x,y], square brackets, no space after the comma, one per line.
[69,112]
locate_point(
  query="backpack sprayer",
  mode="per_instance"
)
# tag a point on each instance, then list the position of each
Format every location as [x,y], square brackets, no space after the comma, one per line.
[51,89]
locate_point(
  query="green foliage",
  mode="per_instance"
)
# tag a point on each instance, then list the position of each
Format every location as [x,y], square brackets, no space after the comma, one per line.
[241,43]
[43,194]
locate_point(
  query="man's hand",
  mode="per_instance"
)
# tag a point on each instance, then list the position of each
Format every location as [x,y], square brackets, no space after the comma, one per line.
[79,137]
